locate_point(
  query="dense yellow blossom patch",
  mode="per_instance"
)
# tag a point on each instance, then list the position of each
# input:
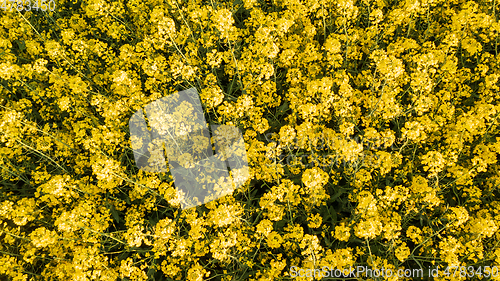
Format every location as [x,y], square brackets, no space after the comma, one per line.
[371,130]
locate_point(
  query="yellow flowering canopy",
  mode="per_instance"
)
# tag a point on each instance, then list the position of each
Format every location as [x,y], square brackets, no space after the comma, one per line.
[370,130]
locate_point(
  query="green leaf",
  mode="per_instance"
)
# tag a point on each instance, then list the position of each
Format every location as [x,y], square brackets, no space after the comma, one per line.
[114,213]
[21,45]
[282,109]
[339,192]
